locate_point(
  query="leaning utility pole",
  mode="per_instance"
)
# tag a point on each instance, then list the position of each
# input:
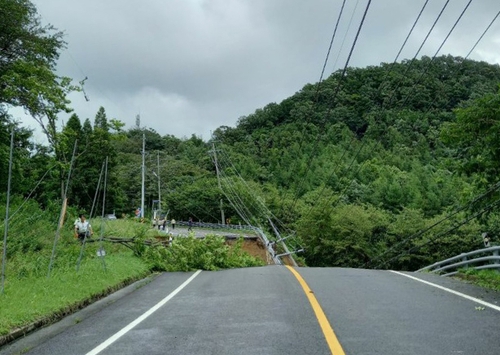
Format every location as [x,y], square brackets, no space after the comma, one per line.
[218,180]
[4,255]
[143,173]
[63,211]
[282,241]
[159,190]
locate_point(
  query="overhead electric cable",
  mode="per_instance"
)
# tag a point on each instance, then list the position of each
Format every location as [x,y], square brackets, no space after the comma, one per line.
[82,248]
[440,235]
[429,107]
[260,204]
[31,192]
[480,38]
[386,75]
[425,70]
[476,199]
[418,51]
[334,96]
[411,30]
[320,81]
[345,34]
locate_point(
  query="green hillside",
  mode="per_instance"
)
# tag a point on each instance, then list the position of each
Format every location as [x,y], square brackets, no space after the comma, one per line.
[356,168]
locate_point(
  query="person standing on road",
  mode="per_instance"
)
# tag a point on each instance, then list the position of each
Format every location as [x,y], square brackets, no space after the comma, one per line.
[173,223]
[83,228]
[190,224]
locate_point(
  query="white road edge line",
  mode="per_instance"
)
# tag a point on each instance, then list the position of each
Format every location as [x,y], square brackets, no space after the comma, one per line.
[470,298]
[153,309]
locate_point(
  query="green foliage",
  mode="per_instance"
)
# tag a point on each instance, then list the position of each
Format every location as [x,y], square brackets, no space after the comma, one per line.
[476,135]
[32,296]
[344,235]
[401,146]
[485,278]
[189,253]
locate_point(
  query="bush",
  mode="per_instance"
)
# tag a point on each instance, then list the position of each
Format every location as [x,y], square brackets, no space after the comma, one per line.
[189,253]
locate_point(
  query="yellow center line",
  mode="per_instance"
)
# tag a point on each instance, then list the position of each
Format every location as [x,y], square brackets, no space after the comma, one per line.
[331,338]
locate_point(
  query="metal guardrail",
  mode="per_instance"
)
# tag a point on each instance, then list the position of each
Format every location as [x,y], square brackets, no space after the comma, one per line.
[489,258]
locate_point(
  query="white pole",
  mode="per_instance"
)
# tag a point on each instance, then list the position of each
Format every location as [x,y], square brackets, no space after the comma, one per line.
[223,221]
[143,173]
[4,255]
[63,211]
[159,191]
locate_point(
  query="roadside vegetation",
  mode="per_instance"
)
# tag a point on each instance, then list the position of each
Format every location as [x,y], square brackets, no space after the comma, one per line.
[30,295]
[489,279]
[397,170]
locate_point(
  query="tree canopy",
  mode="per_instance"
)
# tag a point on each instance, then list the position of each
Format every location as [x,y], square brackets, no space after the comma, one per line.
[359,175]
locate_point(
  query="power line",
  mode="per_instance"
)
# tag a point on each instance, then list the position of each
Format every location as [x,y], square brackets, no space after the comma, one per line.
[346,33]
[481,37]
[440,235]
[457,68]
[334,96]
[320,81]
[260,205]
[425,70]
[240,207]
[435,54]
[419,233]
[411,30]
[418,51]
[387,75]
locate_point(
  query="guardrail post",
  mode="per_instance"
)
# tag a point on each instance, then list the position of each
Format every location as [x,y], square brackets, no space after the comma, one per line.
[464,258]
[495,253]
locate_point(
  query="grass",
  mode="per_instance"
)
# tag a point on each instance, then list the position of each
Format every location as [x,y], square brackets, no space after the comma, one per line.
[26,300]
[31,297]
[489,279]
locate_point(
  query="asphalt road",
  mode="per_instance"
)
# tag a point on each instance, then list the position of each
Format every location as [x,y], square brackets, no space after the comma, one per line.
[266,311]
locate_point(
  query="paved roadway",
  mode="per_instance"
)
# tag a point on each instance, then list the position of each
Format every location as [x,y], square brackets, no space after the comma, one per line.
[266,311]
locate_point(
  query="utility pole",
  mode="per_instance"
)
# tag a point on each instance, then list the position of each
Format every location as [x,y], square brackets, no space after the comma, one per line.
[282,240]
[6,231]
[222,213]
[159,191]
[143,173]
[218,180]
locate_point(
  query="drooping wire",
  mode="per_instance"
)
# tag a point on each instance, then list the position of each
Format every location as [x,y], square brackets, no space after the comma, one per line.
[411,31]
[334,96]
[61,216]
[248,189]
[320,81]
[440,235]
[82,248]
[476,199]
[259,206]
[480,38]
[390,100]
[426,68]
[32,191]
[101,249]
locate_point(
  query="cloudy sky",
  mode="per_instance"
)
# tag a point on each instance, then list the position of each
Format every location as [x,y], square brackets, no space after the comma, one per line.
[190,66]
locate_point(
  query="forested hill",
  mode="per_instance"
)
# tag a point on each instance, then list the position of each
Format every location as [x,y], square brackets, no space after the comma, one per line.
[365,155]
[383,167]
[393,112]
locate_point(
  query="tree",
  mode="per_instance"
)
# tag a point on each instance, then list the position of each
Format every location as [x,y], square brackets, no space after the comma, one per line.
[475,135]
[28,56]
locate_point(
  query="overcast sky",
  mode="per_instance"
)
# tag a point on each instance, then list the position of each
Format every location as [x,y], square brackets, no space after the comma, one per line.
[190,66]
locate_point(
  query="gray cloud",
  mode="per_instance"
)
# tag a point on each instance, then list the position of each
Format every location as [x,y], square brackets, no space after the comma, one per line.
[190,66]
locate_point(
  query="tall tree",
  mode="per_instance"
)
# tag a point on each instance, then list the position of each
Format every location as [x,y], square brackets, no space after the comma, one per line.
[28,56]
